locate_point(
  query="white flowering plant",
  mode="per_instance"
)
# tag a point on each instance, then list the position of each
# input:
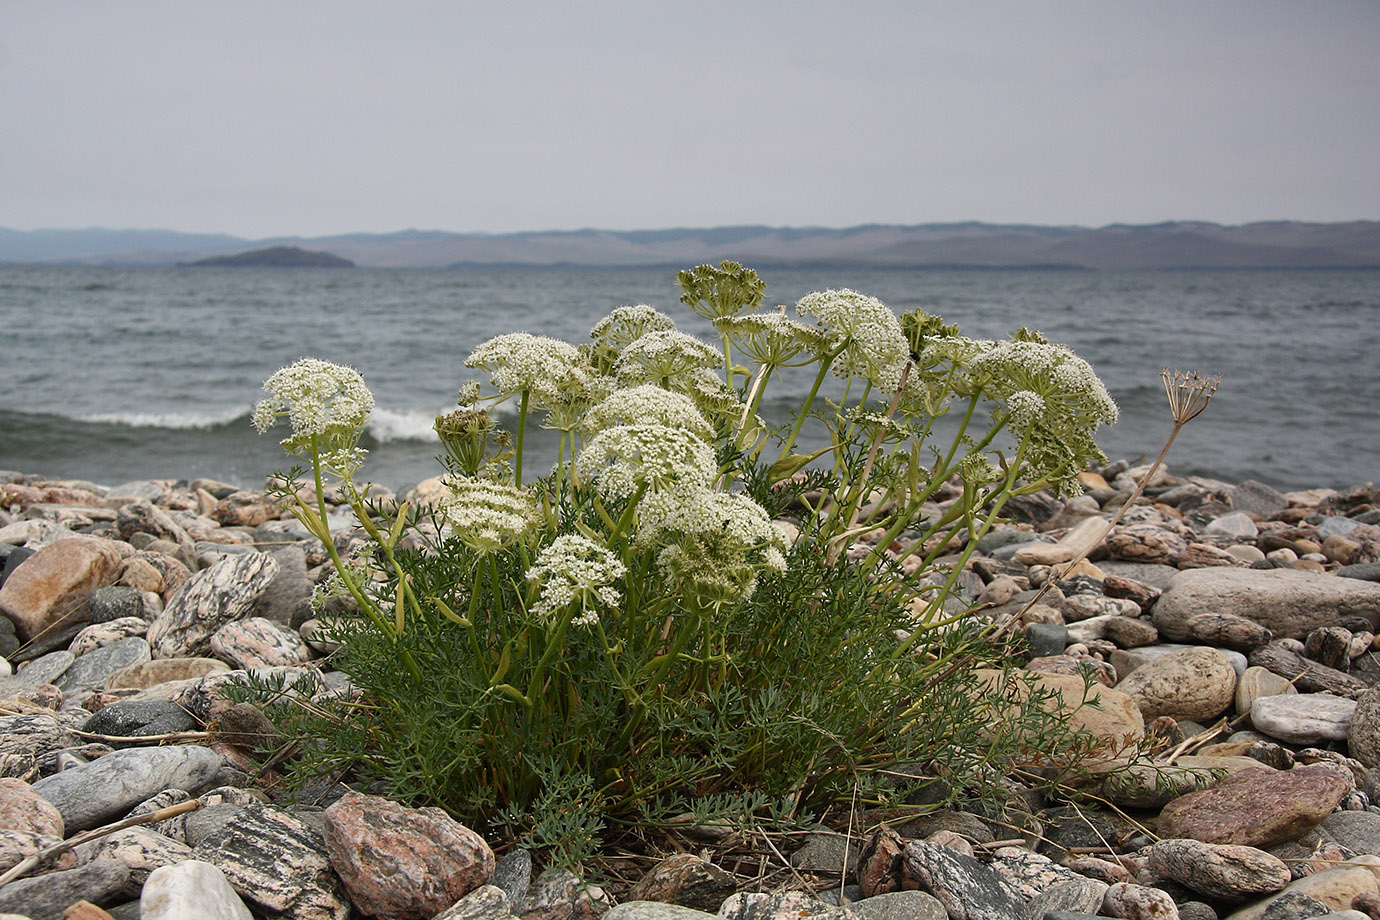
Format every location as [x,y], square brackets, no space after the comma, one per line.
[693,609]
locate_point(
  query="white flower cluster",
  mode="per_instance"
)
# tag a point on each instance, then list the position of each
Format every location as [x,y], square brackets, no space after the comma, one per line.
[664,353]
[1026,407]
[487,516]
[876,346]
[771,339]
[619,460]
[724,541]
[625,325]
[1053,371]
[321,400]
[520,361]
[648,404]
[574,569]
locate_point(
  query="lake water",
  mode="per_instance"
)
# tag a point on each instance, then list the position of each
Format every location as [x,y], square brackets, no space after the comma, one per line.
[112,374]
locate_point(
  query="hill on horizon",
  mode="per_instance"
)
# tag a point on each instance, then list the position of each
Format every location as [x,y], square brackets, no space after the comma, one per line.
[970,245]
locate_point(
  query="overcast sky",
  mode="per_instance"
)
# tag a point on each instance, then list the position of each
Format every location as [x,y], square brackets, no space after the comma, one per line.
[310,117]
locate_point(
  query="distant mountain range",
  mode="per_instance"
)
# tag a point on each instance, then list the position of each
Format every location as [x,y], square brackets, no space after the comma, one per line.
[1178,244]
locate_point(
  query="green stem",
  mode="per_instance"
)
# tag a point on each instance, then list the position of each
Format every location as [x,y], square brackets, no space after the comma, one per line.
[824,365]
[370,610]
[521,431]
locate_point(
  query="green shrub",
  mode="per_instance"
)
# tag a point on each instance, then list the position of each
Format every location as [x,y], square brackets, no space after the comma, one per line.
[633,635]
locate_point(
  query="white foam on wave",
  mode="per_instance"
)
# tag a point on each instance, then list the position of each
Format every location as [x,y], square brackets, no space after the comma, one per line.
[189,421]
[386,425]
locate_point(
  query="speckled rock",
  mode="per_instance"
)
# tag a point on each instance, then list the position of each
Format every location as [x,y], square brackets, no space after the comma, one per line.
[489,902]
[259,643]
[1138,902]
[968,889]
[139,848]
[1195,683]
[1145,543]
[101,634]
[277,863]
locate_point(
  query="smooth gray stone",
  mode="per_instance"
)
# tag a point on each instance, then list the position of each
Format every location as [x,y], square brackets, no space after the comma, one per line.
[1337,526]
[107,788]
[1046,639]
[1149,573]
[94,668]
[1365,571]
[46,670]
[134,718]
[47,896]
[654,910]
[899,905]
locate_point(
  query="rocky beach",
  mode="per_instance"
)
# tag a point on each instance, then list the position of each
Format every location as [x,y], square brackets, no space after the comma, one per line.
[1230,631]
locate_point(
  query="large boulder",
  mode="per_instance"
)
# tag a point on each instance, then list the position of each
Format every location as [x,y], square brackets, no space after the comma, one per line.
[1288,602]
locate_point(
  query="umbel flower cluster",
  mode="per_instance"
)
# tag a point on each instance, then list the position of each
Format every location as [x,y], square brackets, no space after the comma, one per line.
[647,580]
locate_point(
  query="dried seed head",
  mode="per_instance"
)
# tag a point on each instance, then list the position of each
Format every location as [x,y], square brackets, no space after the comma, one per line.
[1189,393]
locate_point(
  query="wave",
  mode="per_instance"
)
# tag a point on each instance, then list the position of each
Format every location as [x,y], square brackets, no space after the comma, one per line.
[174,421]
[388,425]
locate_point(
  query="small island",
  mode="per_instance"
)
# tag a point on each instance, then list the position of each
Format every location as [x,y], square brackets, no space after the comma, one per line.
[276,257]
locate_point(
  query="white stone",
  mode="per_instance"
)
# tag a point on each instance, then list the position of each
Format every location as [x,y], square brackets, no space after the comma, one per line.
[1303,718]
[191,890]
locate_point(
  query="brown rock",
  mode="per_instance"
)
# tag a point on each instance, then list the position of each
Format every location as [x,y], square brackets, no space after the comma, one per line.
[1205,555]
[1130,589]
[85,910]
[1193,683]
[1109,715]
[162,671]
[1130,632]
[1289,603]
[403,863]
[49,590]
[22,809]
[880,867]
[1307,676]
[687,880]
[1146,543]
[1224,630]
[1256,807]
[246,509]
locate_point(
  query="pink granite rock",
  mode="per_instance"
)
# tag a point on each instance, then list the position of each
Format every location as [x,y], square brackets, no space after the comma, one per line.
[403,863]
